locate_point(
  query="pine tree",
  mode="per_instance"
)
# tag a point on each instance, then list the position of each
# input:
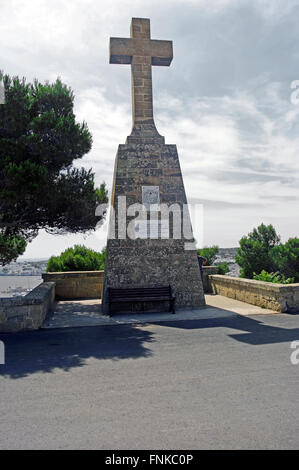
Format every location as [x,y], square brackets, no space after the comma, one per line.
[39,187]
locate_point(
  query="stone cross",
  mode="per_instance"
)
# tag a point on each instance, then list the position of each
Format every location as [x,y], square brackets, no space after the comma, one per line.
[141,52]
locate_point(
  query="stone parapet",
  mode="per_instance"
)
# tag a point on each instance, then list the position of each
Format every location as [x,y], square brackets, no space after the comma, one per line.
[207,271]
[28,312]
[278,297]
[77,284]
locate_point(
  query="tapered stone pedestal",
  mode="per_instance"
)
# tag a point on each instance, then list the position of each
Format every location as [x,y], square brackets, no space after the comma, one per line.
[150,262]
[144,253]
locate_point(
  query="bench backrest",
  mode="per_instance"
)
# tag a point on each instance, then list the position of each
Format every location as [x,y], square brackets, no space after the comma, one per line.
[132,292]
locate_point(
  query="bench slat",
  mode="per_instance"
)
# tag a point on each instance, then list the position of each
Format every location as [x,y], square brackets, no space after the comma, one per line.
[133,291]
[141,299]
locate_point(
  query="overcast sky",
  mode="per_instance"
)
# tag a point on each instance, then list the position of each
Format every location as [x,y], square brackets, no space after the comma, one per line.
[225,100]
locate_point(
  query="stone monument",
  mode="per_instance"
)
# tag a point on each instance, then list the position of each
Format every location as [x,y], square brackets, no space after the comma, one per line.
[151,249]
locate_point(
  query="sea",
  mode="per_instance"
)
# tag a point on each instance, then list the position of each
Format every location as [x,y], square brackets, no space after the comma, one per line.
[20,277]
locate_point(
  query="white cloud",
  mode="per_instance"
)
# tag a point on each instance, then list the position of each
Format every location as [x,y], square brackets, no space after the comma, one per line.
[224,159]
[225,101]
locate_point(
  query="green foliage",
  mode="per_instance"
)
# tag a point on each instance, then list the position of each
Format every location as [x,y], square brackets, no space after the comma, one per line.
[223,268]
[273,277]
[255,251]
[210,253]
[78,258]
[10,248]
[261,252]
[286,257]
[39,141]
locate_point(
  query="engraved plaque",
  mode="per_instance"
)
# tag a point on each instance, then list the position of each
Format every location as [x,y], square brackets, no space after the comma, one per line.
[151,197]
[152,229]
[159,228]
[141,228]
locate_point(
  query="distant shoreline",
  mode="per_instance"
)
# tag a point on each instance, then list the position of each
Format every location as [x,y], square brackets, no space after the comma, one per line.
[21,274]
[15,285]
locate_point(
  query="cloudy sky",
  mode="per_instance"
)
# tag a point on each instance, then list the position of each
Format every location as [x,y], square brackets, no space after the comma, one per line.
[225,101]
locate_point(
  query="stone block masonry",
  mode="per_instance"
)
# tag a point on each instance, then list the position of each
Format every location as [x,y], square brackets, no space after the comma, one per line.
[141,52]
[207,272]
[151,262]
[77,284]
[278,297]
[28,312]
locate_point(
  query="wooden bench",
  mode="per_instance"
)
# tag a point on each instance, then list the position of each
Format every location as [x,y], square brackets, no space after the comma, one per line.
[141,294]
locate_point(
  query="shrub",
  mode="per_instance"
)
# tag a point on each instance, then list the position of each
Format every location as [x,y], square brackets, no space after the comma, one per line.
[255,251]
[210,253]
[286,257]
[277,278]
[78,258]
[223,268]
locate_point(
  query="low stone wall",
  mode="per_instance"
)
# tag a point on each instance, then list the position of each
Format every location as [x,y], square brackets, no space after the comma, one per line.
[207,271]
[77,284]
[27,312]
[278,297]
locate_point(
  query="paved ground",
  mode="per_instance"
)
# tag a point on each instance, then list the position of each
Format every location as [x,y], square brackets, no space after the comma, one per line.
[75,313]
[224,381]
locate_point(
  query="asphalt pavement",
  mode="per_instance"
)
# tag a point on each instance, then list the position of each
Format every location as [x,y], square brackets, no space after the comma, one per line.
[221,382]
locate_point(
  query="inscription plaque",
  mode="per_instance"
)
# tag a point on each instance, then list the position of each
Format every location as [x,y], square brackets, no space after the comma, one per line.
[151,197]
[152,228]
